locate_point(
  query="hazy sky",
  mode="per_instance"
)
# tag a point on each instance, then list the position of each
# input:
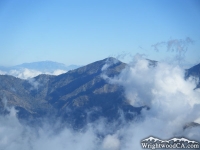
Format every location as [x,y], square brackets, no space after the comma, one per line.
[83,31]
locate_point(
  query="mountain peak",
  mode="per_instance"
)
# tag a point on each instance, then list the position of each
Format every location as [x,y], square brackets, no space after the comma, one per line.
[113,59]
[101,65]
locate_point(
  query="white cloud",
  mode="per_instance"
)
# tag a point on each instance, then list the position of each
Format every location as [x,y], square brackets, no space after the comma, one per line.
[24,73]
[2,72]
[58,72]
[172,100]
[111,142]
[30,73]
[109,62]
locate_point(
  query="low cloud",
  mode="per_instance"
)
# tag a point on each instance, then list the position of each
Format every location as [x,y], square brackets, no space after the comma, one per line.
[2,72]
[57,72]
[30,73]
[24,73]
[35,84]
[111,142]
[109,62]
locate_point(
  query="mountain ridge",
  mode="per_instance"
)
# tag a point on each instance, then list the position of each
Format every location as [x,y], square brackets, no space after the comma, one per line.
[70,96]
[79,90]
[41,66]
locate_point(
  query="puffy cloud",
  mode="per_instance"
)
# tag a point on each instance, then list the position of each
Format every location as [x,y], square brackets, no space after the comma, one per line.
[172,100]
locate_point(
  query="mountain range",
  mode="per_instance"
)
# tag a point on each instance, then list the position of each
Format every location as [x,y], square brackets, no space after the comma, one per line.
[76,98]
[43,66]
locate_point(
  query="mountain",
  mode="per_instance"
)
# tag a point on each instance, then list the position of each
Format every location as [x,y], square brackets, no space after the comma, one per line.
[43,66]
[194,72]
[70,96]
[76,98]
[30,70]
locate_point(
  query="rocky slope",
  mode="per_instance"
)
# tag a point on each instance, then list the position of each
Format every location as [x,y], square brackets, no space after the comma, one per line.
[77,97]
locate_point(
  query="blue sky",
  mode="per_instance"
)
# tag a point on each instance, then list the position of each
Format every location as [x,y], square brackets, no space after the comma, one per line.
[83,31]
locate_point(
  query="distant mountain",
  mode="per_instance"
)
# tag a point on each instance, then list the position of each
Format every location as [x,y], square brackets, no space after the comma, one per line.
[30,70]
[43,66]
